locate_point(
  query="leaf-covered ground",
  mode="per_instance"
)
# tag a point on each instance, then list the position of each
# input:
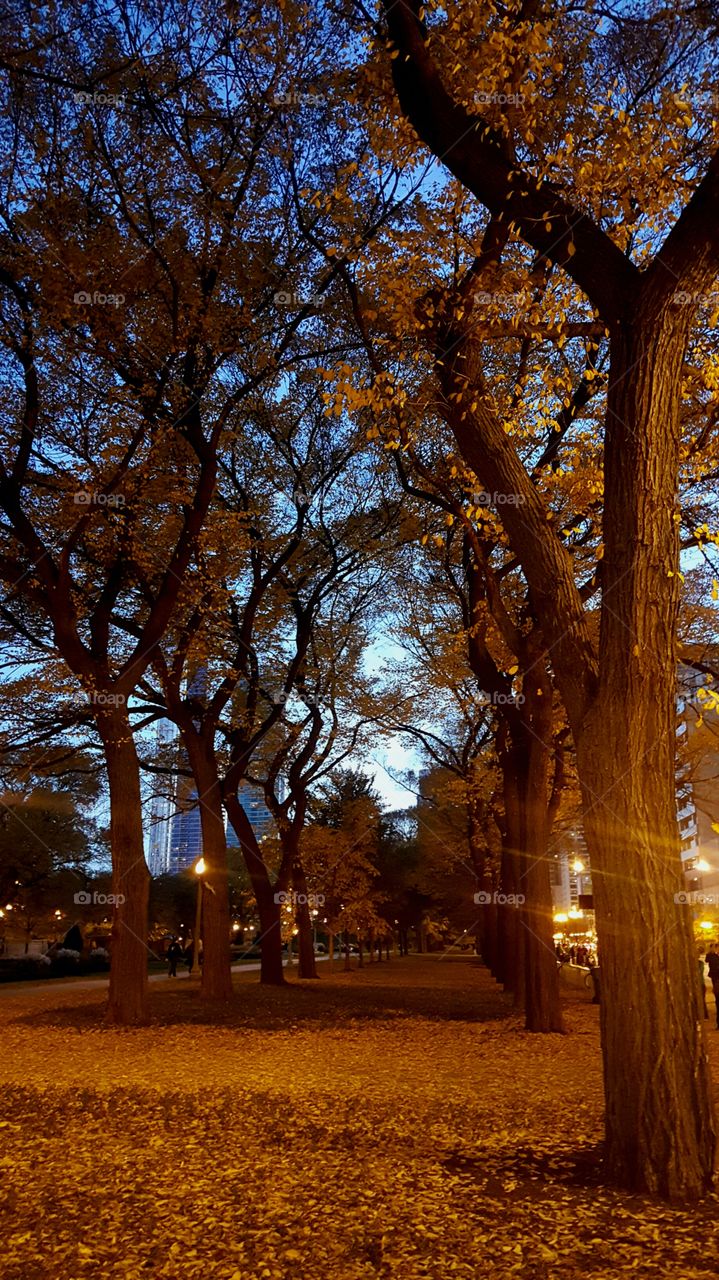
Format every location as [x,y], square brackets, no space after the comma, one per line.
[392,1123]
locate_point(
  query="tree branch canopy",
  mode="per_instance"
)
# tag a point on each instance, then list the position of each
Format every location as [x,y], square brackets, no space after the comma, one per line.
[544,218]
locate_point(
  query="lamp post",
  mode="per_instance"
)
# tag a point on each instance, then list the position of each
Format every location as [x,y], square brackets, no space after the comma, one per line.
[199,870]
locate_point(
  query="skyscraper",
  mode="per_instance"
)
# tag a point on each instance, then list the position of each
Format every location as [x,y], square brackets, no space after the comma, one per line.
[161,808]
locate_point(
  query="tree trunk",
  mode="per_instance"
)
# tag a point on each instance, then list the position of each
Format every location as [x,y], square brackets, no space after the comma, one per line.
[216,973]
[489,936]
[486,931]
[541,976]
[660,1127]
[348,966]
[305,935]
[127,1000]
[267,896]
[509,968]
[659,1138]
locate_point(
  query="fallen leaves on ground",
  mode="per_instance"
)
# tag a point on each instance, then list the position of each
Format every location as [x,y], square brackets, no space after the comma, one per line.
[394,1123]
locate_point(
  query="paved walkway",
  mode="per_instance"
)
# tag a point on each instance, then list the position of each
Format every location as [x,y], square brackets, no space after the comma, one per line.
[81,984]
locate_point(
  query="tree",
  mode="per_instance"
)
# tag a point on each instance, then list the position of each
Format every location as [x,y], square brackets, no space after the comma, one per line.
[619,695]
[473,596]
[43,833]
[337,852]
[143,268]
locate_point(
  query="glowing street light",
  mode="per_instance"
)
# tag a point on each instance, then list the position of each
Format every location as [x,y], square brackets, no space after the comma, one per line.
[706,924]
[561,917]
[702,865]
[577,866]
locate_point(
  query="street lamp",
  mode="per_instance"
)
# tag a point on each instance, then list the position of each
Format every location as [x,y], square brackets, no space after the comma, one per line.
[199,869]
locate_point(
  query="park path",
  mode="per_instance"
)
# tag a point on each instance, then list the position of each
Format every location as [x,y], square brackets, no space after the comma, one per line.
[88,984]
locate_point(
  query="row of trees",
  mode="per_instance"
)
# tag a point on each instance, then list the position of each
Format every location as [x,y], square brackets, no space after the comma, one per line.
[287,297]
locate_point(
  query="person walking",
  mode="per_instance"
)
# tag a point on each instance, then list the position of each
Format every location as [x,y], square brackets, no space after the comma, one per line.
[712,962]
[174,953]
[703,985]
[190,958]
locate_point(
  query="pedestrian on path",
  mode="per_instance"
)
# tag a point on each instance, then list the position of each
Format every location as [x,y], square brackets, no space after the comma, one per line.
[713,967]
[173,955]
[703,985]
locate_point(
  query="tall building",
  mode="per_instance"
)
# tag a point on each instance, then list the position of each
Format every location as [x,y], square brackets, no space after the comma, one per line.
[570,872]
[161,808]
[175,831]
[697,785]
[185,829]
[185,838]
[261,819]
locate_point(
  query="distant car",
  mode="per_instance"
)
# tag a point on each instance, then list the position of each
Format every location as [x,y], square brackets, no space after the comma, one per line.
[320,949]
